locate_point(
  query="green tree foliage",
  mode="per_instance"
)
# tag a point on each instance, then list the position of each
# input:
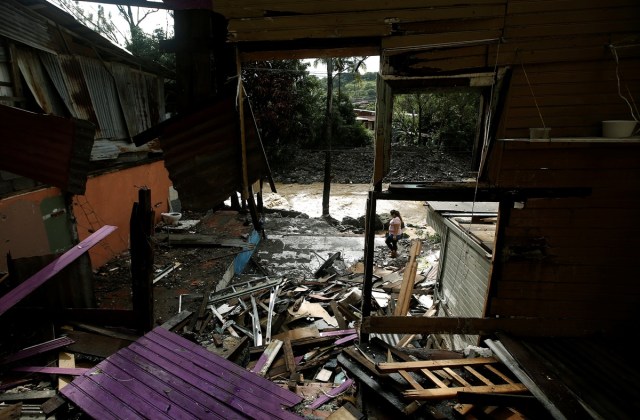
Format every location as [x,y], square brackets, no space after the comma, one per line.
[286,103]
[443,119]
[347,132]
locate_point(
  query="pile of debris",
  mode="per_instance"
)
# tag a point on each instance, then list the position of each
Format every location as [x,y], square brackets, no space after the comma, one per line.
[265,346]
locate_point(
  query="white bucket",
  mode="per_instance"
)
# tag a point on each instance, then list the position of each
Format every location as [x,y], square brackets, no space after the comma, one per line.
[617,129]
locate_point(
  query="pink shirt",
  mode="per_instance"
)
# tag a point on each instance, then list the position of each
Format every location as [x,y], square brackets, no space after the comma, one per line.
[395,226]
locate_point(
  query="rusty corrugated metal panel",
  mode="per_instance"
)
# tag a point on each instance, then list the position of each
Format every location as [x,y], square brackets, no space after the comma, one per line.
[140,95]
[53,68]
[25,26]
[5,77]
[46,148]
[78,91]
[104,98]
[165,376]
[34,74]
[204,157]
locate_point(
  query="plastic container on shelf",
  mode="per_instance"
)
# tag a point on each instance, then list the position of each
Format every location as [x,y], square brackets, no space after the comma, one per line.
[617,129]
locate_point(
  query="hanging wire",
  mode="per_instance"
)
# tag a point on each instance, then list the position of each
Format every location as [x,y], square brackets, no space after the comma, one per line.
[535,101]
[631,108]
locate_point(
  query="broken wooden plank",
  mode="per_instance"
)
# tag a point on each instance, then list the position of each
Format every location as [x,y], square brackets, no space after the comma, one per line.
[408,279]
[73,371]
[444,393]
[198,240]
[525,403]
[29,395]
[104,331]
[65,360]
[37,349]
[95,344]
[177,320]
[347,412]
[53,404]
[267,358]
[21,291]
[379,389]
[331,394]
[166,272]
[348,331]
[337,314]
[428,364]
[11,412]
[346,339]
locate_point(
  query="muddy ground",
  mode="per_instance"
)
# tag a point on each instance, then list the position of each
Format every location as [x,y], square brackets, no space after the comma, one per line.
[299,196]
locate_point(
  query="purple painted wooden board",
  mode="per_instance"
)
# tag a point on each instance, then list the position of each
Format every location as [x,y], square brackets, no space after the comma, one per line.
[224,402]
[56,343]
[163,375]
[143,384]
[32,283]
[52,370]
[238,397]
[346,339]
[227,367]
[338,332]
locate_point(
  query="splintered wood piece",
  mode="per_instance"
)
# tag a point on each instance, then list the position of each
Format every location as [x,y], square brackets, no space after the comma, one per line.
[443,393]
[65,360]
[408,279]
[427,364]
[267,357]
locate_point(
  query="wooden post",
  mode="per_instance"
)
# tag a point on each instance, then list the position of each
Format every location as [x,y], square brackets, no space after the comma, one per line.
[141,227]
[367,286]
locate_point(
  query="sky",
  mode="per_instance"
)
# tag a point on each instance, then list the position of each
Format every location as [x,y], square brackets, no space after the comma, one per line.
[162,19]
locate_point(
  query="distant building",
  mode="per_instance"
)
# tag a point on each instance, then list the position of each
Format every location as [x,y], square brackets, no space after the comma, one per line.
[366,117]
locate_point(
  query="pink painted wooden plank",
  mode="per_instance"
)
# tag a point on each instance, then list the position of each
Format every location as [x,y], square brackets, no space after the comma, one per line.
[32,283]
[346,339]
[56,343]
[52,370]
[329,395]
[338,332]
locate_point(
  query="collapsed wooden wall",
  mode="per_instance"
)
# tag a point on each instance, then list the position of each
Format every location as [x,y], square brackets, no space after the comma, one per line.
[569,257]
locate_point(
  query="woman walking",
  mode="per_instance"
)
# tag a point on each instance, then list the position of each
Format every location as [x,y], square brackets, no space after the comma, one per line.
[395,232]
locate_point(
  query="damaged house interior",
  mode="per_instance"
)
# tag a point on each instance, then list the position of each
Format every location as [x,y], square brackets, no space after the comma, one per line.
[528,312]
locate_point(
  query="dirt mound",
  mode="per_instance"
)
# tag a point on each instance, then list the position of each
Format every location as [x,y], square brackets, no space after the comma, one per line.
[355,166]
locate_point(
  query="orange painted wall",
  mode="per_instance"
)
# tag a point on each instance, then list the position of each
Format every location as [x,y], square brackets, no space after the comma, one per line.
[22,231]
[108,200]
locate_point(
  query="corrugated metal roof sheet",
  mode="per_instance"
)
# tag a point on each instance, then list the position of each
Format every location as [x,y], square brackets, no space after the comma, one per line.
[24,25]
[46,148]
[163,375]
[140,95]
[33,73]
[5,77]
[104,98]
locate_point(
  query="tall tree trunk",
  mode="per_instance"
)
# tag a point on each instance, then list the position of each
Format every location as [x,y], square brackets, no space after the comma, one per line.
[326,191]
[420,141]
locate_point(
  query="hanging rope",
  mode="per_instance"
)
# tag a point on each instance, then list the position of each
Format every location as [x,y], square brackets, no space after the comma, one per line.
[533,95]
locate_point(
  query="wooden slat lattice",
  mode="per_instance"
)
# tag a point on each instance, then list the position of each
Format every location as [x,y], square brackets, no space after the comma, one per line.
[470,375]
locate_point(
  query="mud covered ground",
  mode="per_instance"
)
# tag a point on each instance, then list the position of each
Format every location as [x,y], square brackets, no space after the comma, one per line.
[299,195]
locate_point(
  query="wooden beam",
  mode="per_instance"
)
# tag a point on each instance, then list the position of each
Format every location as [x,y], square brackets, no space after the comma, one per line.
[458,191]
[142,255]
[525,327]
[32,283]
